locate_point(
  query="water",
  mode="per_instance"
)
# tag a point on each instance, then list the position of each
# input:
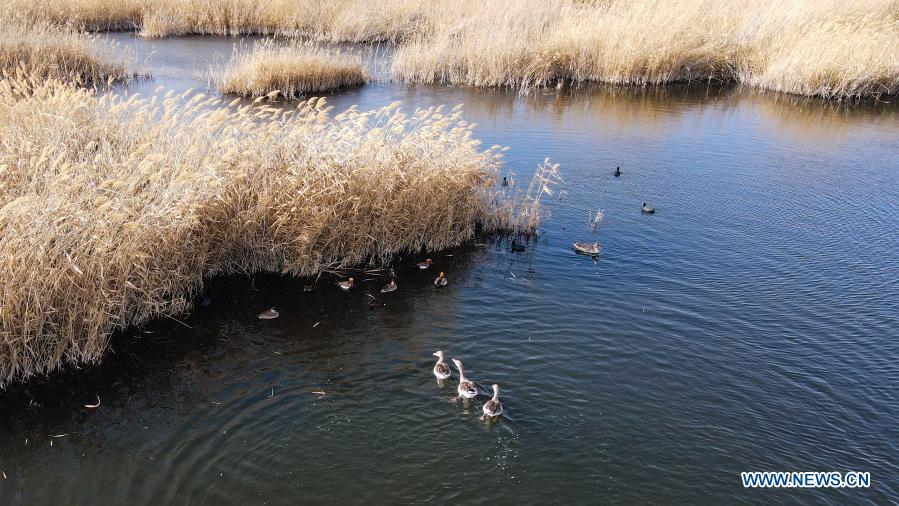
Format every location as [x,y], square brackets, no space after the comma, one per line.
[750,324]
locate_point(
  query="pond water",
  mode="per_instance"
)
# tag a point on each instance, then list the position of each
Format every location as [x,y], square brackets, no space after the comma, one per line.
[751,323]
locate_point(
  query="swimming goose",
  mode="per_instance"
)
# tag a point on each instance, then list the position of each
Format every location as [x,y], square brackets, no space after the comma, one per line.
[441,369]
[425,265]
[269,314]
[346,285]
[440,280]
[587,248]
[493,407]
[389,287]
[647,209]
[617,171]
[466,389]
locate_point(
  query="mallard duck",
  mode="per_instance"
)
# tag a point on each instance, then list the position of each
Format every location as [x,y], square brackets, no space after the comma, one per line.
[466,389]
[425,265]
[587,248]
[441,369]
[493,407]
[389,287]
[617,171]
[440,281]
[647,209]
[346,285]
[517,246]
[269,314]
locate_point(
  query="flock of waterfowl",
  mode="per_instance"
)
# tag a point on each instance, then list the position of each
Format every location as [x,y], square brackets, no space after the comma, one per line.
[350,283]
[592,248]
[467,389]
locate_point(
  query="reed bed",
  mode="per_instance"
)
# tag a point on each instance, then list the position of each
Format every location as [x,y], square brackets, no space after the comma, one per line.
[45,51]
[826,48]
[810,47]
[290,71]
[112,210]
[322,20]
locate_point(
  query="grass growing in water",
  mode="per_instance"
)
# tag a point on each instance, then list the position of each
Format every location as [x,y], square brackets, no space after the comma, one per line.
[292,71]
[808,47]
[44,51]
[113,209]
[826,48]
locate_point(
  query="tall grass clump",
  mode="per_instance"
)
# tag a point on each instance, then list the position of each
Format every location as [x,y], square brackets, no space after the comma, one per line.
[44,51]
[112,210]
[810,47]
[290,71]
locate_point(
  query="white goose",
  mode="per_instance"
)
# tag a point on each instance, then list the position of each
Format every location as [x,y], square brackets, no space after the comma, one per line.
[466,389]
[493,408]
[441,369]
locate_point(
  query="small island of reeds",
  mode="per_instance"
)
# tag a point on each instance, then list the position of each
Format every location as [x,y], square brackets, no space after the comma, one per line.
[291,71]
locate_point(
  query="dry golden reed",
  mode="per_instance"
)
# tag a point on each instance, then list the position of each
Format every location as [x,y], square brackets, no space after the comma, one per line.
[291,71]
[112,210]
[44,51]
[827,48]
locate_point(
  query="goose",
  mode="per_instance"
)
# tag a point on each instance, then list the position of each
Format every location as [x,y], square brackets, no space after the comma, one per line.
[269,314]
[587,248]
[517,246]
[466,389]
[425,265]
[440,281]
[647,209]
[441,369]
[617,171]
[505,182]
[493,408]
[389,287]
[346,285]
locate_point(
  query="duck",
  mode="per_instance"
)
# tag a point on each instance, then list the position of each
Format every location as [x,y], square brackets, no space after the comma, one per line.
[647,209]
[389,287]
[441,369]
[493,408]
[586,247]
[517,246]
[466,389]
[346,285]
[617,171]
[308,288]
[425,265]
[269,314]
[440,281]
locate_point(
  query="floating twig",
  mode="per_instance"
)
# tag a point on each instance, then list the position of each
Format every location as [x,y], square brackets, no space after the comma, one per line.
[93,406]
